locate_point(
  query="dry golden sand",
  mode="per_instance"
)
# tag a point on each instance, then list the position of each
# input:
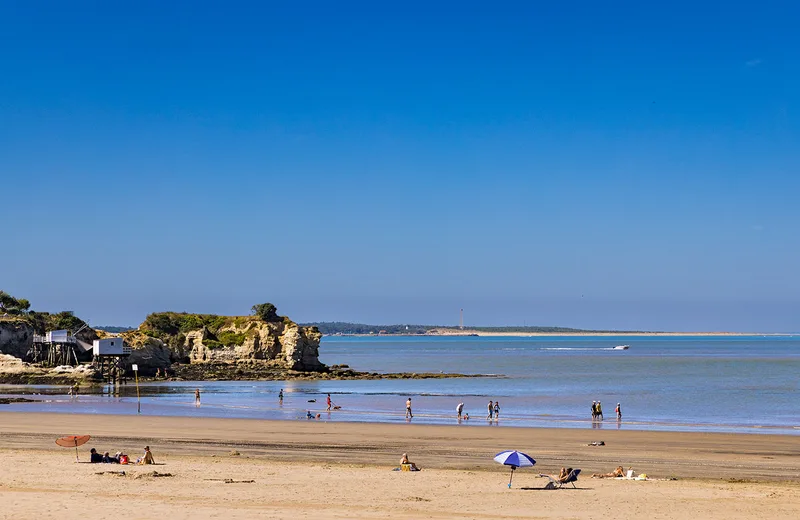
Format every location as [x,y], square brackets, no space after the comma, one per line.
[342,470]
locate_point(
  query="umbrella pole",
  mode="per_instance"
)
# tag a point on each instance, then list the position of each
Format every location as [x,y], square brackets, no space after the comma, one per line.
[512,477]
[76,451]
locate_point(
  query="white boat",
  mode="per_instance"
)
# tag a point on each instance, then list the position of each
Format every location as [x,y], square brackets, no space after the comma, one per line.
[622,347]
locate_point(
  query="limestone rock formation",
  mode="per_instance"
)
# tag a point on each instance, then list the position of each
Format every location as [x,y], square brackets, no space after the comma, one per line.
[16,337]
[284,343]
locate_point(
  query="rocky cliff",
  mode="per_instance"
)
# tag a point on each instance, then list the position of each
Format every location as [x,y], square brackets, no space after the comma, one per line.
[16,337]
[166,338]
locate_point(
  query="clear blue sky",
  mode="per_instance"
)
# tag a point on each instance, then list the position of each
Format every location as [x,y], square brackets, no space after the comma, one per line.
[586,164]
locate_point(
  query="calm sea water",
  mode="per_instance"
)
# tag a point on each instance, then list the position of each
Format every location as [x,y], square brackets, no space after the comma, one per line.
[735,384]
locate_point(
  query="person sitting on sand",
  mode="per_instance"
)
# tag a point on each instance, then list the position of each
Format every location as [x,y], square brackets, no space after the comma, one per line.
[147,458]
[404,460]
[94,456]
[619,472]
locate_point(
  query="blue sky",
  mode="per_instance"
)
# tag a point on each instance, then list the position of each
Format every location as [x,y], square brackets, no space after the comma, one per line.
[581,164]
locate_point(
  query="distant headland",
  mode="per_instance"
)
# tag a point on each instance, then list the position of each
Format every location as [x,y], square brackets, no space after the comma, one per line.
[338,328]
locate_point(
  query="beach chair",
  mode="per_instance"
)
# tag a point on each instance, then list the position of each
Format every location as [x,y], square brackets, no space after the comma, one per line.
[571,478]
[555,484]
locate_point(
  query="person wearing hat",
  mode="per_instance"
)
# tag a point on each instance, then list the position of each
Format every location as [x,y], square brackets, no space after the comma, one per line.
[619,412]
[147,458]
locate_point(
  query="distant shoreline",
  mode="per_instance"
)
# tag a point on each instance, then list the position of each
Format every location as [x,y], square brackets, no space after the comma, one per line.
[467,332]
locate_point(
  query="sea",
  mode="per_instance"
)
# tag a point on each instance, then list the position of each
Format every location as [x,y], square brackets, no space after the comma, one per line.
[744,384]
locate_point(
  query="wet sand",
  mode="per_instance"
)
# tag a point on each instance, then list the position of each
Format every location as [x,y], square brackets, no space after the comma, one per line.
[335,470]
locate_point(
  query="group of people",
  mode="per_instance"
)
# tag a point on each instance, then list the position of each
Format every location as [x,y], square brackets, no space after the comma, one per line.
[493,411]
[120,458]
[597,411]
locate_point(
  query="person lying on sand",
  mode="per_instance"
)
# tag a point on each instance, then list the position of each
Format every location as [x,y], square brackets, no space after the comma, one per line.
[108,459]
[95,457]
[619,472]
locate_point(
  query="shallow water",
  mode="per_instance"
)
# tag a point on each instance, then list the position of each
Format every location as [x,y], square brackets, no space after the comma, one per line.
[734,384]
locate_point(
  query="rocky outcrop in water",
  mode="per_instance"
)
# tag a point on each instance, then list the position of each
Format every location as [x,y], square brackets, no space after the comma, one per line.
[275,342]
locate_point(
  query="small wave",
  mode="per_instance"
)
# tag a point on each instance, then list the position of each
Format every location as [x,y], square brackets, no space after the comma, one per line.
[580,348]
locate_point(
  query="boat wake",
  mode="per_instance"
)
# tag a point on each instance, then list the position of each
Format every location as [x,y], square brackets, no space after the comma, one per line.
[619,347]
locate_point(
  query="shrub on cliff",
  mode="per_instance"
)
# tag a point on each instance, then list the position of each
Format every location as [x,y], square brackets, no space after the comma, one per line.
[267,312]
[169,324]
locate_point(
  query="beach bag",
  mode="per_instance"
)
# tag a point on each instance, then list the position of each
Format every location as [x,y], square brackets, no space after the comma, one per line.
[123,459]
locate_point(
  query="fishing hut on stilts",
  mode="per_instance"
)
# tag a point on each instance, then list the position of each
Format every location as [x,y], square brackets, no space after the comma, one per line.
[56,347]
[110,356]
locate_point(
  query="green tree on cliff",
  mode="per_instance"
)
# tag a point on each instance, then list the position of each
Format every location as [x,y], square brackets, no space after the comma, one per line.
[266,311]
[11,305]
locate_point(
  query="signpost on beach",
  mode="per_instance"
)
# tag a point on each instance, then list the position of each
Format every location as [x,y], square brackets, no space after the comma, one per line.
[135,368]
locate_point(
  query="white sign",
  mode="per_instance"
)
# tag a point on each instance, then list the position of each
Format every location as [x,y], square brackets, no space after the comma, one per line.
[135,368]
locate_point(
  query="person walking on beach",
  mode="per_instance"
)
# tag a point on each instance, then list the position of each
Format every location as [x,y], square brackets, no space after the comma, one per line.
[328,402]
[491,411]
[594,410]
[409,415]
[197,397]
[619,412]
[459,409]
[599,411]
[496,410]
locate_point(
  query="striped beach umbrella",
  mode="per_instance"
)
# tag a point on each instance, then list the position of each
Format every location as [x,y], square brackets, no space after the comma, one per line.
[515,459]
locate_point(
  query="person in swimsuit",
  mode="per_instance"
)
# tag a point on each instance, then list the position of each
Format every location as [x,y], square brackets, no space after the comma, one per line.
[328,401]
[197,397]
[280,396]
[409,415]
[491,411]
[619,412]
[496,410]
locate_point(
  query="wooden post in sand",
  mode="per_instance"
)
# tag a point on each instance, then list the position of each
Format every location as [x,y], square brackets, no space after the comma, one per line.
[138,399]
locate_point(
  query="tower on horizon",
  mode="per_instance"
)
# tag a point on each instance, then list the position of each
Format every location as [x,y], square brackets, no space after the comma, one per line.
[461,320]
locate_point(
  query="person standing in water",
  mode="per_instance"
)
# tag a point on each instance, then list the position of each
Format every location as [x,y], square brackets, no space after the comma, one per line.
[197,397]
[619,412]
[491,411]
[496,410]
[460,409]
[599,411]
[594,410]
[409,415]
[328,402]
[280,397]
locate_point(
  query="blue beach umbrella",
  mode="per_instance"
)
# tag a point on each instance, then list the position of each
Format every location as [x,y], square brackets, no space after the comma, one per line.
[515,459]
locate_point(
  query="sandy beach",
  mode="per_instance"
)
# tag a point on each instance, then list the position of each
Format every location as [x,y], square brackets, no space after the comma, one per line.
[316,469]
